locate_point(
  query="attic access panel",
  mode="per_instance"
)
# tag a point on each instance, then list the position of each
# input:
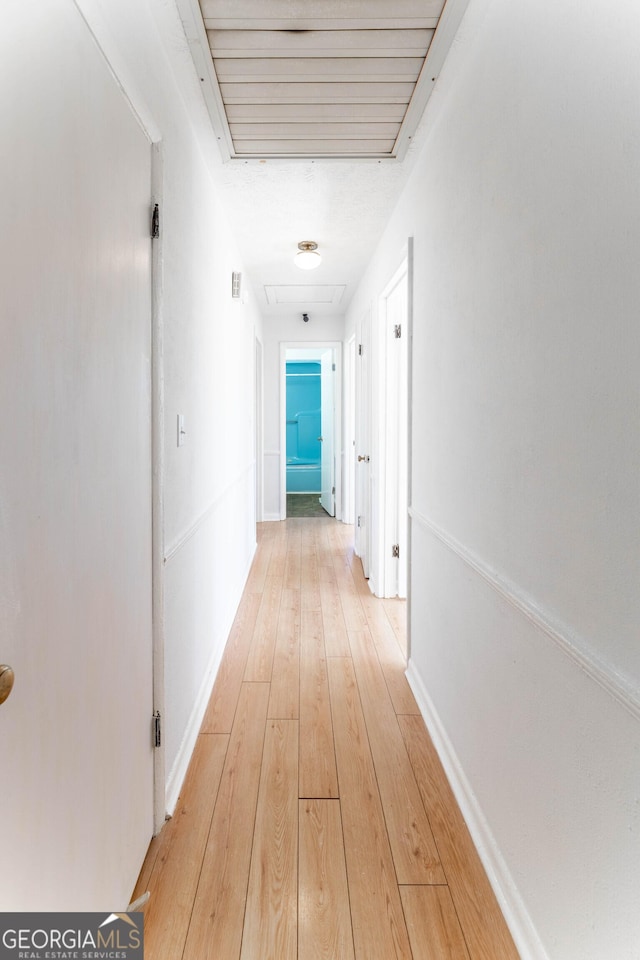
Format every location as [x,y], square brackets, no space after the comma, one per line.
[315,78]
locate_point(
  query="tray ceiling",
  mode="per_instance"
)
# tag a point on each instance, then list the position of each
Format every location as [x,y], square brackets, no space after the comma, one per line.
[314,78]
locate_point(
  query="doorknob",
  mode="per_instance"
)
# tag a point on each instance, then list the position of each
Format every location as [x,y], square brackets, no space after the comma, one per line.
[6,681]
[320,439]
[360,459]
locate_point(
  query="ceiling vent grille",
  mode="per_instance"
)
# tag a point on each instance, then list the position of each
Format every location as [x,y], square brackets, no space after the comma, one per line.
[302,79]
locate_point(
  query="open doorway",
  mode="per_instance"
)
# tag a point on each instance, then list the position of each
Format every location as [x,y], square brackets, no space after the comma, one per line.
[310,430]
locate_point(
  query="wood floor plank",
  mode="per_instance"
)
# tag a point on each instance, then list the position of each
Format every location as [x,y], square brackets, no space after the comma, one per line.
[324,917]
[309,573]
[379,931]
[335,628]
[396,611]
[168,912]
[284,701]
[483,925]
[270,929]
[318,775]
[293,561]
[278,550]
[263,642]
[392,659]
[155,850]
[226,689]
[216,924]
[434,930]
[324,550]
[260,566]
[415,854]
[352,609]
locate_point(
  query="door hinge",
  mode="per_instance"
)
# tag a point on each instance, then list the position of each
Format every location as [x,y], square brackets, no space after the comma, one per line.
[155,222]
[359,521]
[333,490]
[157,729]
[333,367]
[395,550]
[397,331]
[359,349]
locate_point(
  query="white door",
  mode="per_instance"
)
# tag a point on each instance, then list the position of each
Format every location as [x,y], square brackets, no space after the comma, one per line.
[396,435]
[76,801]
[362,451]
[327,417]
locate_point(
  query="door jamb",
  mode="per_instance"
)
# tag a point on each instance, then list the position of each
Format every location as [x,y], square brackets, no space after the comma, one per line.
[337,405]
[379,510]
[157,486]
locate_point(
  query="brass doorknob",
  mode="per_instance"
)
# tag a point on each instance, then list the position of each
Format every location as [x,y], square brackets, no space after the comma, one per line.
[7,677]
[360,459]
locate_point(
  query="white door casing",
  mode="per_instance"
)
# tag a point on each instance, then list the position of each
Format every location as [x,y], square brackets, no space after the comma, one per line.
[363,447]
[327,419]
[348,458]
[396,413]
[331,351]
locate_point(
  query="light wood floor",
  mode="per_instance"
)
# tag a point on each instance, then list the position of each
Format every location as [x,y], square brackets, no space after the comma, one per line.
[315,821]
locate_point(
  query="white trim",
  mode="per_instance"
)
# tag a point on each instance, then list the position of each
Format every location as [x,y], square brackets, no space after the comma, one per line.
[387,469]
[448,26]
[288,346]
[185,750]
[572,645]
[196,35]
[204,516]
[348,432]
[410,274]
[513,908]
[259,426]
[97,25]
[158,483]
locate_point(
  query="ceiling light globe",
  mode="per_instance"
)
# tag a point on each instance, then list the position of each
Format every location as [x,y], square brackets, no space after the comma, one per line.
[307,258]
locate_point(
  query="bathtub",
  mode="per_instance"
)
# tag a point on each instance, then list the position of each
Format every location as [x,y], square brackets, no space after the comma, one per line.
[303,476]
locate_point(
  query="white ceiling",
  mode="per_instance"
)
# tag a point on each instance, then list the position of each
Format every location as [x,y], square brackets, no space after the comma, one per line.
[341,204]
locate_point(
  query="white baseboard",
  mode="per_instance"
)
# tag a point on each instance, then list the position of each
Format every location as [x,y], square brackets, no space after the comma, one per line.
[181,764]
[515,913]
[271,517]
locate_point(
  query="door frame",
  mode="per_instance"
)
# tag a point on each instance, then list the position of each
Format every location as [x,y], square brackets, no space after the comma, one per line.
[349,431]
[363,497]
[392,458]
[383,496]
[157,487]
[259,428]
[312,346]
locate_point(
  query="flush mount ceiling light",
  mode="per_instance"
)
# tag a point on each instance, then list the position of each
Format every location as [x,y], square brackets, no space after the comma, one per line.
[307,258]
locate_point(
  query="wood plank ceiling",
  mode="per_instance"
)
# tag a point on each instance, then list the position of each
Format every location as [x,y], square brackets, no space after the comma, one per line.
[319,78]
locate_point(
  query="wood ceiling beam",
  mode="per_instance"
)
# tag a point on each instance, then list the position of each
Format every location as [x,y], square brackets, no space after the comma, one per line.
[303,25]
[289,10]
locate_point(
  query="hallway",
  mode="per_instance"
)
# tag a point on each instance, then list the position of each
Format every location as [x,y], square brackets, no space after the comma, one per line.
[316,820]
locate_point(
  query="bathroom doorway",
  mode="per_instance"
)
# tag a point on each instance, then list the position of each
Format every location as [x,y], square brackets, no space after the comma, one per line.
[310,434]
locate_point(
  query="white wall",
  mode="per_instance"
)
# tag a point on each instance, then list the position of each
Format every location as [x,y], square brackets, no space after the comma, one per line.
[291,330]
[65,154]
[526,523]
